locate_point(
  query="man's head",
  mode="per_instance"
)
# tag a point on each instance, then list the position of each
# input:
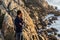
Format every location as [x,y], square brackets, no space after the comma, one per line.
[19,14]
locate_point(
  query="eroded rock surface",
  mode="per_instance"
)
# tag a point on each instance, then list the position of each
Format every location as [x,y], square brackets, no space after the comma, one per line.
[34,11]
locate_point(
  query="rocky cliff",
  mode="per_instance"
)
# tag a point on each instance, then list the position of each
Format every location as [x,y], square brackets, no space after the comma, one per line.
[34,11]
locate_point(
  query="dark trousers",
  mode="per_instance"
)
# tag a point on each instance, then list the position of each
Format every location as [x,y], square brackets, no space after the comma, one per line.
[18,36]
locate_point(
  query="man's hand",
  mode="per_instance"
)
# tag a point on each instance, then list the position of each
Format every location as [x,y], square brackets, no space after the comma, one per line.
[20,24]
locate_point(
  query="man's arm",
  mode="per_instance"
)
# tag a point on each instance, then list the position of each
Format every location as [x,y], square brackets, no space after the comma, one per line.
[20,24]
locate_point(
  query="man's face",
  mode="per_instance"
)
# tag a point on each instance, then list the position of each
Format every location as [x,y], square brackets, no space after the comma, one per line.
[20,15]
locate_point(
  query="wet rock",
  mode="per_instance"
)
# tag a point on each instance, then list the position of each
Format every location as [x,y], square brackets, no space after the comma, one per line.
[54,18]
[49,23]
[58,35]
[54,29]
[49,30]
[52,37]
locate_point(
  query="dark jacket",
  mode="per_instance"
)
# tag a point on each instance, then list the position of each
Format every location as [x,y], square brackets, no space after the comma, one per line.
[17,24]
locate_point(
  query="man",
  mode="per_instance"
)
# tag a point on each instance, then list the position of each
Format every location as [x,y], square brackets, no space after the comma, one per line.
[18,24]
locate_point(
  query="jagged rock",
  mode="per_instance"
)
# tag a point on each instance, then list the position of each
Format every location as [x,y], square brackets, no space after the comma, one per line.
[29,32]
[8,27]
[43,2]
[58,35]
[31,9]
[30,27]
[52,37]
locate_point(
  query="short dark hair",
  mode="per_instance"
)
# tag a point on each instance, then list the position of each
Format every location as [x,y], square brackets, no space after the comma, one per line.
[19,12]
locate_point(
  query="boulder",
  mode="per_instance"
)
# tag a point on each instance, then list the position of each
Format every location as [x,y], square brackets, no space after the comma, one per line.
[8,27]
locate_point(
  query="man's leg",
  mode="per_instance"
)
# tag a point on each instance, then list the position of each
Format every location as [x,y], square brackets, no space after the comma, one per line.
[21,36]
[17,36]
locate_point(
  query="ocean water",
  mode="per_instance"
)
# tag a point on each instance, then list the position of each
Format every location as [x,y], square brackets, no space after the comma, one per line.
[54,3]
[55,24]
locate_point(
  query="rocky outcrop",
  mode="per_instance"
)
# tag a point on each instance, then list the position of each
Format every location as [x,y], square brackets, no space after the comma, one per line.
[29,32]
[8,27]
[29,27]
[34,11]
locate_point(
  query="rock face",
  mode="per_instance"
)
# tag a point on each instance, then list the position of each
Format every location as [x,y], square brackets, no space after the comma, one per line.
[29,30]
[8,27]
[29,27]
[34,11]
